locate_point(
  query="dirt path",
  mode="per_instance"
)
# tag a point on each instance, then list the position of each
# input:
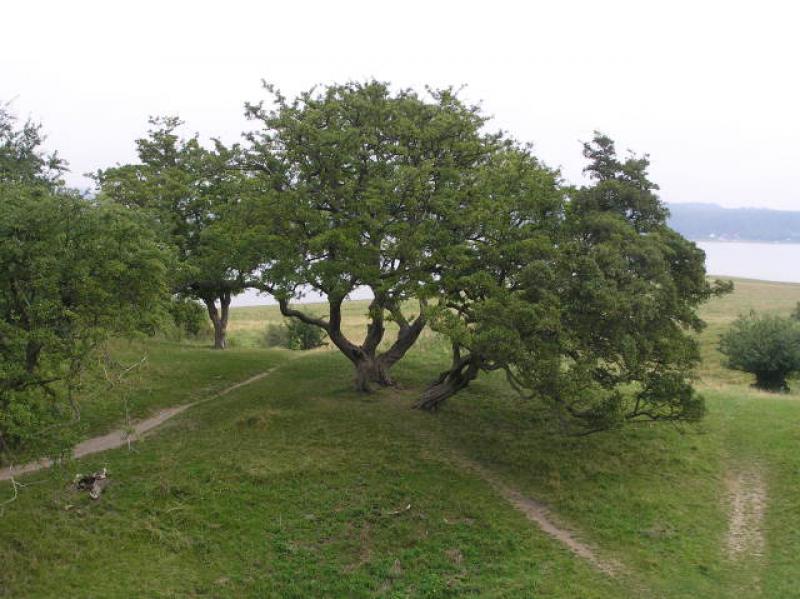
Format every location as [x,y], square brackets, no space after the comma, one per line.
[538,513]
[122,437]
[747,497]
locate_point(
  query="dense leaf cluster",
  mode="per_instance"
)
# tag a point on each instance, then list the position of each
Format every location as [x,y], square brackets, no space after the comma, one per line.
[72,273]
[354,187]
[584,297]
[765,345]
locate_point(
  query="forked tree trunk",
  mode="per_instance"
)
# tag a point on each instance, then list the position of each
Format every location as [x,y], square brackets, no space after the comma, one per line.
[371,368]
[371,371]
[219,317]
[450,382]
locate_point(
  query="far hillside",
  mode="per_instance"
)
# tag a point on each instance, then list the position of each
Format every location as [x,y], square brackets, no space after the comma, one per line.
[708,222]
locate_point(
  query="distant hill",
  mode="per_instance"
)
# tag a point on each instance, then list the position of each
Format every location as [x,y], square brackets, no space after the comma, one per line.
[706,222]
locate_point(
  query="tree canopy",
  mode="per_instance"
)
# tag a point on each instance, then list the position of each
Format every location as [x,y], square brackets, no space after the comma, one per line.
[582,296]
[184,188]
[73,272]
[585,302]
[22,158]
[353,186]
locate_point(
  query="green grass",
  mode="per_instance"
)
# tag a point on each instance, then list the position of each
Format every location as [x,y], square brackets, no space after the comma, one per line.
[296,486]
[166,374]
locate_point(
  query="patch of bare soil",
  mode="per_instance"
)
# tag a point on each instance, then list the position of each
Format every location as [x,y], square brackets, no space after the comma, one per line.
[122,437]
[747,499]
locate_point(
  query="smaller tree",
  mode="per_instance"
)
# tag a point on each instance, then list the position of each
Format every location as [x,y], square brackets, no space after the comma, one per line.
[294,334]
[766,346]
[72,275]
[184,188]
[22,158]
[586,302]
[188,317]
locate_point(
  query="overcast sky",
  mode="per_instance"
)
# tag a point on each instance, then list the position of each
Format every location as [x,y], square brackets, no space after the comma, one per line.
[709,89]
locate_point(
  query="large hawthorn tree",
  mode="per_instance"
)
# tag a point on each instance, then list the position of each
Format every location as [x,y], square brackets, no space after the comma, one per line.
[349,185]
[186,187]
[595,316]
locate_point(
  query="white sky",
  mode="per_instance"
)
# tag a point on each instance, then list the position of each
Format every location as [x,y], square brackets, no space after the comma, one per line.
[709,89]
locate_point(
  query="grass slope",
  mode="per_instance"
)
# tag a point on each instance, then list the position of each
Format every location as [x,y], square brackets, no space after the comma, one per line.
[297,487]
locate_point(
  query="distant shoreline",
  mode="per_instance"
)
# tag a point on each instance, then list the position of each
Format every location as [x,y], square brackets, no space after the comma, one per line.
[763,241]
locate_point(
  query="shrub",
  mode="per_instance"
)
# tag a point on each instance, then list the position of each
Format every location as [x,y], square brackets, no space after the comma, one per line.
[294,334]
[189,317]
[767,346]
[304,336]
[73,274]
[276,335]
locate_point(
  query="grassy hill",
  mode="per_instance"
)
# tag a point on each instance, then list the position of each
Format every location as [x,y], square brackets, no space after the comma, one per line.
[295,486]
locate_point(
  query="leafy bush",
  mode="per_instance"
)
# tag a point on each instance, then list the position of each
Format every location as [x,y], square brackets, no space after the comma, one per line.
[767,346]
[72,275]
[294,334]
[189,317]
[276,335]
[304,336]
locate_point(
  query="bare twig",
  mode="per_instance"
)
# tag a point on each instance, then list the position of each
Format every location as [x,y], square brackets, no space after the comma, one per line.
[15,485]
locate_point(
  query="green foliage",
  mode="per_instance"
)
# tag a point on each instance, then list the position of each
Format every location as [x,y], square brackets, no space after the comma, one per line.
[189,317]
[585,302]
[349,188]
[72,273]
[363,170]
[765,345]
[22,159]
[185,188]
[294,334]
[276,335]
[301,335]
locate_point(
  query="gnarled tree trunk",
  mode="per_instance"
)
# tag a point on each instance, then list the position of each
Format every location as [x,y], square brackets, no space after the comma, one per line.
[371,367]
[219,317]
[461,373]
[371,371]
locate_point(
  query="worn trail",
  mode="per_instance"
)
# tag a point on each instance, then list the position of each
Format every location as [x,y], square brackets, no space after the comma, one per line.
[121,437]
[540,515]
[747,497]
